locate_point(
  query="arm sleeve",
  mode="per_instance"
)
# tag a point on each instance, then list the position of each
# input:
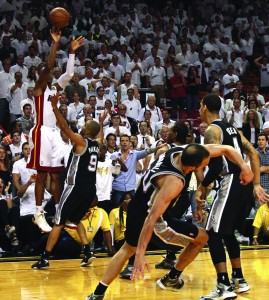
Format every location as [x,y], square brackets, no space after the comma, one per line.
[215,167]
[64,78]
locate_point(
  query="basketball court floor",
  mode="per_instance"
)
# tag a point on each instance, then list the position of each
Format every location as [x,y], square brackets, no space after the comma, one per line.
[66,280]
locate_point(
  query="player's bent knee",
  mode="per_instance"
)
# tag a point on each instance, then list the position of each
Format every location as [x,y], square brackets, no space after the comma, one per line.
[202,236]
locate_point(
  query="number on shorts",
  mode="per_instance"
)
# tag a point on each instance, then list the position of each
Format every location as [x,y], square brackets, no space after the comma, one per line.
[92,163]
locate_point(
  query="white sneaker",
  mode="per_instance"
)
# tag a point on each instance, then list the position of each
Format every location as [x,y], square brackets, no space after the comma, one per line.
[70,225]
[40,221]
[240,285]
[222,292]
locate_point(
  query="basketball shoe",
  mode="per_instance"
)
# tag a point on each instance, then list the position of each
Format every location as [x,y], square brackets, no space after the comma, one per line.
[126,272]
[165,264]
[87,259]
[240,285]
[222,292]
[167,283]
[40,221]
[94,297]
[41,264]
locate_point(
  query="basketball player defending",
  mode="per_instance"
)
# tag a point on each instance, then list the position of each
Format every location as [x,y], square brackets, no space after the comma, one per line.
[80,189]
[230,206]
[162,184]
[44,137]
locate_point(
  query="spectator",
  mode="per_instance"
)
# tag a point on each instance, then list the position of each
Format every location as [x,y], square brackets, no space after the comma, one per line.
[32,76]
[116,128]
[251,127]
[125,182]
[263,64]
[4,166]
[122,89]
[26,118]
[19,66]
[262,149]
[116,69]
[193,82]
[5,215]
[15,94]
[111,144]
[166,121]
[136,69]
[6,80]
[132,104]
[253,104]
[156,114]
[229,80]
[156,79]
[106,169]
[145,141]
[75,86]
[89,83]
[32,59]
[261,225]
[201,135]
[236,115]
[203,71]
[6,51]
[178,85]
[259,97]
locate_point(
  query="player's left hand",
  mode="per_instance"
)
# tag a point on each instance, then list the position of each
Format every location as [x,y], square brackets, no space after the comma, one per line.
[139,265]
[76,43]
[260,194]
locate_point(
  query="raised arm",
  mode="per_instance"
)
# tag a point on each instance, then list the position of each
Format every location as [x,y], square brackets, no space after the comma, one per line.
[45,74]
[76,139]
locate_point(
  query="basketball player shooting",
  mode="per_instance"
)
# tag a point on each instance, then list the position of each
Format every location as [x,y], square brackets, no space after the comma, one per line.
[45,136]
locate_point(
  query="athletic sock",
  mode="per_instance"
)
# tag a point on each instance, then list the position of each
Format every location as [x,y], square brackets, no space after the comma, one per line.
[100,289]
[174,273]
[237,273]
[45,255]
[56,206]
[86,248]
[38,209]
[223,278]
[171,255]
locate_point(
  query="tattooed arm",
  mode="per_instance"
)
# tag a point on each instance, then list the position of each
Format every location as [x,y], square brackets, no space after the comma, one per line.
[255,167]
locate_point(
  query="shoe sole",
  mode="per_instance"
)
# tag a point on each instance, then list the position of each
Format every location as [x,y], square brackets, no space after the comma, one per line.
[220,298]
[43,268]
[241,290]
[43,231]
[158,266]
[127,277]
[90,260]
[163,287]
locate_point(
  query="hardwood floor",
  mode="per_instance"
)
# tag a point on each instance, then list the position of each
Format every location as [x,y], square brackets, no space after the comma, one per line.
[66,280]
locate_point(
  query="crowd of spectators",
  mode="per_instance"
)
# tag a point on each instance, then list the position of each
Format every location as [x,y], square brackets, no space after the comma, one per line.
[176,50]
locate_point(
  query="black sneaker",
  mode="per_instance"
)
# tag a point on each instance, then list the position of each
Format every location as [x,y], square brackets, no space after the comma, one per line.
[94,297]
[167,283]
[87,259]
[165,264]
[126,272]
[41,264]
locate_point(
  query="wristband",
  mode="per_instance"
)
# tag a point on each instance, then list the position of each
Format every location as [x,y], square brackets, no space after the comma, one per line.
[255,236]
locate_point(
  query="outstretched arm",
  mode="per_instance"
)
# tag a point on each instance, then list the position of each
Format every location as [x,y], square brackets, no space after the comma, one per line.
[44,76]
[76,139]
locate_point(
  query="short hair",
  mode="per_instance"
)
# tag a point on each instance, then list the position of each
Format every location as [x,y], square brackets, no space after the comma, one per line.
[15,131]
[24,144]
[182,130]
[212,102]
[263,134]
[193,155]
[25,105]
[99,87]
[109,135]
[93,127]
[124,135]
[144,122]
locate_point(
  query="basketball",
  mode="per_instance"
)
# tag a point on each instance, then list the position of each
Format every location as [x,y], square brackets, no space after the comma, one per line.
[59,17]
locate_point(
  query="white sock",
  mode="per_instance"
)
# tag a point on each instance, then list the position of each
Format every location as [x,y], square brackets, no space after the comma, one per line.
[56,206]
[38,209]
